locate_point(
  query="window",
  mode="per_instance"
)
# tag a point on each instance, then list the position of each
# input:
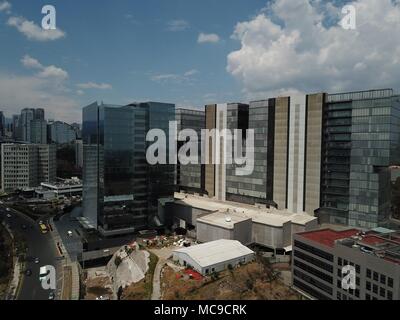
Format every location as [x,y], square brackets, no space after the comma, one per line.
[390,282]
[376,276]
[383,279]
[375,289]
[368,286]
[382,292]
[390,295]
[367,297]
[340,261]
[369,273]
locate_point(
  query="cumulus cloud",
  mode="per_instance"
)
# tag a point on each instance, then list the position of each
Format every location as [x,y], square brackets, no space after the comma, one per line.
[208,38]
[34,32]
[177,25]
[5,6]
[281,52]
[44,71]
[93,85]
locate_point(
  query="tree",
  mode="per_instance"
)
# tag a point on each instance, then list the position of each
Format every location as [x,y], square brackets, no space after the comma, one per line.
[117,261]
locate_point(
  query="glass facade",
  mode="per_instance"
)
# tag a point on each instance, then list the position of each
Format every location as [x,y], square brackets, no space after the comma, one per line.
[190,177]
[120,189]
[361,141]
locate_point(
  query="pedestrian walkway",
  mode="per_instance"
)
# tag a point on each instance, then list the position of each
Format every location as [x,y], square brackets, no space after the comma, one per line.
[70,270]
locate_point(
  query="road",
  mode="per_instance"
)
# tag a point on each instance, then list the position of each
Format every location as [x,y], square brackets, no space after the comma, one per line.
[39,246]
[73,243]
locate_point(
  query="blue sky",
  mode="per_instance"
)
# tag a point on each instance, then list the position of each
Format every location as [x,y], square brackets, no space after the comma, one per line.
[143,49]
[190,52]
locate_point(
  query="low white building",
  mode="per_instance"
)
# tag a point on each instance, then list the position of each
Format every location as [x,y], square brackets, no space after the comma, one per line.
[214,256]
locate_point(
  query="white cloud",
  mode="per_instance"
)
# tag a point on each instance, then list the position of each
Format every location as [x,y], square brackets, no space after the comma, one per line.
[34,32]
[45,71]
[208,38]
[175,77]
[177,25]
[308,54]
[30,62]
[18,92]
[5,6]
[93,85]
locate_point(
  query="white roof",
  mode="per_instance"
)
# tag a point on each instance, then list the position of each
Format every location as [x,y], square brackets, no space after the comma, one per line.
[211,253]
[225,220]
[271,217]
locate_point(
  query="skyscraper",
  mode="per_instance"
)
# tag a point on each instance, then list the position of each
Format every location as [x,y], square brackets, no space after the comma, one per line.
[190,177]
[361,138]
[121,190]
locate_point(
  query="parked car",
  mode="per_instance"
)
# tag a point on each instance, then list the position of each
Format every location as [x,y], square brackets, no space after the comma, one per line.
[28,272]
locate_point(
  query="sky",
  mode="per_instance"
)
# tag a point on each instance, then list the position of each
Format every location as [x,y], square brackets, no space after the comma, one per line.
[190,52]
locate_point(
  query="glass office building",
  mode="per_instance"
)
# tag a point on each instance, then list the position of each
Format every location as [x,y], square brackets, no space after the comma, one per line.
[190,177]
[121,191]
[360,143]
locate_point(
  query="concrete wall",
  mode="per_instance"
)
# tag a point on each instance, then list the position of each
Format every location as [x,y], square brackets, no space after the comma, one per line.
[313,152]
[210,168]
[242,232]
[280,153]
[207,233]
[187,213]
[270,236]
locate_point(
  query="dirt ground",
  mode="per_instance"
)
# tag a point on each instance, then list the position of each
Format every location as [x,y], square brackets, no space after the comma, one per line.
[249,282]
[98,285]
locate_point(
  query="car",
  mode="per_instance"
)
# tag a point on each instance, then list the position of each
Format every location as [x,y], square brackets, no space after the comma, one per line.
[37,260]
[23,227]
[69,233]
[9,216]
[28,272]
[52,296]
[8,209]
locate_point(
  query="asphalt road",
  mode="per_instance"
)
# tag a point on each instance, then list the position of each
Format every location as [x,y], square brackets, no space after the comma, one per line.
[39,246]
[73,243]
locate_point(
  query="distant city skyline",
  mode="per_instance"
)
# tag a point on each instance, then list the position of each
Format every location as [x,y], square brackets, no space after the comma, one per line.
[190,53]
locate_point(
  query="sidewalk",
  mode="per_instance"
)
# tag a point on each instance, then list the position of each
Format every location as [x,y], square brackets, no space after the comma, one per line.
[72,288]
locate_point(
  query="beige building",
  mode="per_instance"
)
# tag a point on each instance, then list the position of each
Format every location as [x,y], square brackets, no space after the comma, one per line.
[27,165]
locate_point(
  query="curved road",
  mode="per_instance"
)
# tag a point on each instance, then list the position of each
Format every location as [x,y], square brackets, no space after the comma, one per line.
[39,246]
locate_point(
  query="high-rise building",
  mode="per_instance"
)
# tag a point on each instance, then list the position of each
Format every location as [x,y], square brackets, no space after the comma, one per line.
[2,125]
[79,153]
[38,133]
[27,165]
[25,124]
[190,177]
[16,130]
[121,190]
[361,137]
[61,133]
[324,154]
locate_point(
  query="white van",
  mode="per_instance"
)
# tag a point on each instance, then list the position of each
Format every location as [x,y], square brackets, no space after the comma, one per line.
[43,273]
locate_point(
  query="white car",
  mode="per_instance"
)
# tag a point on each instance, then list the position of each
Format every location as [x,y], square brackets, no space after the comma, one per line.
[69,233]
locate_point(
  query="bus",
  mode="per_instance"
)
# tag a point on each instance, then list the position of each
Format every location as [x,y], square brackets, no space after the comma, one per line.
[43,228]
